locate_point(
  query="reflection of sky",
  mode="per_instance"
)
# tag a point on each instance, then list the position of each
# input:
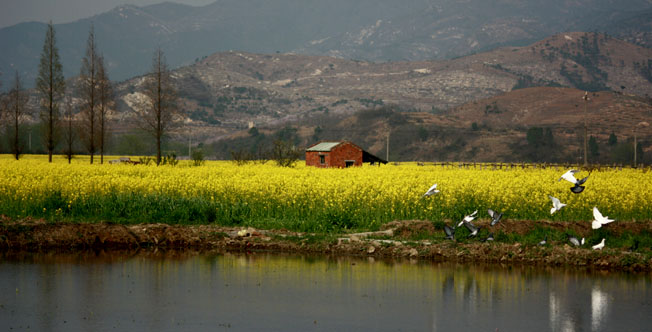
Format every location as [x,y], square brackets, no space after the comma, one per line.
[568,311]
[261,292]
[598,308]
[559,320]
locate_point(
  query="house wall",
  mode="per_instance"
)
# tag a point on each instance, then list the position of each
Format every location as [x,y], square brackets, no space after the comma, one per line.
[312,159]
[337,157]
[344,152]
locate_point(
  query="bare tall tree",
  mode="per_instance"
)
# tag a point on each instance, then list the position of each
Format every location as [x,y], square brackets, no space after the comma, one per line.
[2,104]
[106,101]
[3,107]
[88,92]
[16,113]
[51,85]
[69,130]
[159,115]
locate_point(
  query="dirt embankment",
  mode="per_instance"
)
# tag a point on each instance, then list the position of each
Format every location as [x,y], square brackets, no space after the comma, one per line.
[396,240]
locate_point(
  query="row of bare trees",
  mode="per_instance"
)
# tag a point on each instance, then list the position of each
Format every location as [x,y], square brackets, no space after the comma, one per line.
[96,99]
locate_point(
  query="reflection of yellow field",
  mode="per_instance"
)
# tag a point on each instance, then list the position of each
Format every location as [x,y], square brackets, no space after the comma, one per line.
[482,280]
[370,195]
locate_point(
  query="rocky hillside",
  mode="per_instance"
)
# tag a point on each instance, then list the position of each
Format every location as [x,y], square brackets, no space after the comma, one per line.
[230,90]
[635,28]
[486,130]
[471,108]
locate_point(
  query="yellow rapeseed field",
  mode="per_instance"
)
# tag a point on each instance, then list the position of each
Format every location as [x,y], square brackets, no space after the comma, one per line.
[360,197]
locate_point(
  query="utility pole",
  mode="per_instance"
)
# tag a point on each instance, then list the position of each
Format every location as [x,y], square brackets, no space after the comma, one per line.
[586,130]
[188,122]
[634,147]
[387,158]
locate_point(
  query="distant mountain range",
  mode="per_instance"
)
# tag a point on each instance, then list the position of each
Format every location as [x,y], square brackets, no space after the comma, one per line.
[508,90]
[233,88]
[369,30]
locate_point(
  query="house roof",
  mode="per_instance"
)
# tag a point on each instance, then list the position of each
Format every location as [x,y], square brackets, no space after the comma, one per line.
[323,146]
[370,158]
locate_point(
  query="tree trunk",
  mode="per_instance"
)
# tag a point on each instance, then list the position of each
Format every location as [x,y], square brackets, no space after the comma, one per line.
[16,145]
[51,109]
[158,149]
[92,130]
[102,135]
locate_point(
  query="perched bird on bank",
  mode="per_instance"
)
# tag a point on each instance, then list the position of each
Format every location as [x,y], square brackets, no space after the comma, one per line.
[577,184]
[471,227]
[468,218]
[573,240]
[544,241]
[599,219]
[556,204]
[489,238]
[433,190]
[450,232]
[495,216]
[599,246]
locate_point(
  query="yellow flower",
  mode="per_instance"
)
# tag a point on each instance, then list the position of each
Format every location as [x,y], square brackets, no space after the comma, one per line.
[366,193]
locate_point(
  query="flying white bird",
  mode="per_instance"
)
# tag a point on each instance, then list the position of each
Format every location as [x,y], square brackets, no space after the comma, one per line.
[433,190]
[568,176]
[556,204]
[599,246]
[495,216]
[577,184]
[468,218]
[599,219]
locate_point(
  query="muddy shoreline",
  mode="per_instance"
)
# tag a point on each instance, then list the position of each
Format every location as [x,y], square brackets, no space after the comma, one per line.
[40,236]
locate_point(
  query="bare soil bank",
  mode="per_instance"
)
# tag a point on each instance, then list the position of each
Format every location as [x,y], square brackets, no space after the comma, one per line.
[39,236]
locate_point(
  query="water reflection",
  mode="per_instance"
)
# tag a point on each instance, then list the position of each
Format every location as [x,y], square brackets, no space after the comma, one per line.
[560,319]
[598,307]
[195,292]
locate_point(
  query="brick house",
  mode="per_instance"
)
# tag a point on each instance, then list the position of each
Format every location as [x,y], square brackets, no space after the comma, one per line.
[338,154]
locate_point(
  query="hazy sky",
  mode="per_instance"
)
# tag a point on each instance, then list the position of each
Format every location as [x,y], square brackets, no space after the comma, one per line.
[63,11]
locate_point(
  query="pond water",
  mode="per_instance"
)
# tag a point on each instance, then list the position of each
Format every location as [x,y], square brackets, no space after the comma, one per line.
[263,292]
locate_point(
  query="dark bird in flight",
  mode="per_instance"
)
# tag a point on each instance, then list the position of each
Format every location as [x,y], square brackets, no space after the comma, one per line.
[495,216]
[577,184]
[450,232]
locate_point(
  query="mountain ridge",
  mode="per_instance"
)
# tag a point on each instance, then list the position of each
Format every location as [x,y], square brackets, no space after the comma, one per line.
[370,30]
[225,93]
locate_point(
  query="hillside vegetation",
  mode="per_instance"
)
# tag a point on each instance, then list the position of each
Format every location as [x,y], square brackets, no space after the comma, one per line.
[475,108]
